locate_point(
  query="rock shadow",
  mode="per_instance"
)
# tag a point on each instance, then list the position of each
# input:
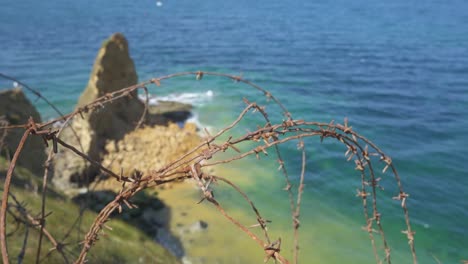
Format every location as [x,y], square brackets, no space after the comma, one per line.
[152,216]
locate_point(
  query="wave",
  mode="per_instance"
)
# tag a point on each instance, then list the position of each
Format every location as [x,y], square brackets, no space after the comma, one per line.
[194,118]
[195,99]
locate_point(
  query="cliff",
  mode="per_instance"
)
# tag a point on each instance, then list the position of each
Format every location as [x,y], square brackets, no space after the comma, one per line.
[16,109]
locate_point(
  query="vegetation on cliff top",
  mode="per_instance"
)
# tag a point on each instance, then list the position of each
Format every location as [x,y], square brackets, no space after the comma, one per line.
[65,221]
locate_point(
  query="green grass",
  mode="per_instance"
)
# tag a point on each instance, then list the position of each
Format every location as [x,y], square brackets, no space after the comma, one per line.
[125,243]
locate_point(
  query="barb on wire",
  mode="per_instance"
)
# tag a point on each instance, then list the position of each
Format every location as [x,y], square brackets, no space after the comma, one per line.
[6,192]
[30,221]
[300,190]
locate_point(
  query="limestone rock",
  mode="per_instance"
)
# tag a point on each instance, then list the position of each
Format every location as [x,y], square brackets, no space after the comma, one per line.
[149,148]
[190,127]
[170,110]
[198,226]
[113,70]
[17,109]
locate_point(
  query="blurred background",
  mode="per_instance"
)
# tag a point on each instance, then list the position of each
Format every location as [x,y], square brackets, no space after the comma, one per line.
[398,70]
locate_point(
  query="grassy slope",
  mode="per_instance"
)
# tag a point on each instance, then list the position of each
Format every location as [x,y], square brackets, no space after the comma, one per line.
[123,244]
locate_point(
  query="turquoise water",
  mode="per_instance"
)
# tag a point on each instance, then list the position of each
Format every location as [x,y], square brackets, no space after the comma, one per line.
[397,69]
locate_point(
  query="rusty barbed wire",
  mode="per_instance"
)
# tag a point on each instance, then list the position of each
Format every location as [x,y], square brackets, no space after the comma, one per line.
[6,192]
[25,217]
[51,153]
[300,190]
[190,165]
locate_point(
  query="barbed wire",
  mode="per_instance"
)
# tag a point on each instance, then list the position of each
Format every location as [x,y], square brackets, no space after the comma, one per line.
[269,136]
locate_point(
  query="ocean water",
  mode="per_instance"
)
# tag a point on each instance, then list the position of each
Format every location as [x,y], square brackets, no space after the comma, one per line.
[398,70]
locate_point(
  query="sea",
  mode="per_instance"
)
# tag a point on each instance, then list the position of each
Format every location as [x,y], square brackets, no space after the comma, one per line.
[397,70]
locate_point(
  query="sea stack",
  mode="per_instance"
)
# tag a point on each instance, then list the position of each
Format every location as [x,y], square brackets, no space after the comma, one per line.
[113,70]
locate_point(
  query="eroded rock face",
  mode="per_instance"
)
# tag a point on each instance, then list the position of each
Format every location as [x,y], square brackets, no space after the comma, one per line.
[113,70]
[93,132]
[150,148]
[16,110]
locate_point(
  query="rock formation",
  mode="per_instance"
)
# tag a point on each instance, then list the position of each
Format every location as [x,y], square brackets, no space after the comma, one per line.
[169,110]
[150,148]
[93,132]
[16,110]
[112,70]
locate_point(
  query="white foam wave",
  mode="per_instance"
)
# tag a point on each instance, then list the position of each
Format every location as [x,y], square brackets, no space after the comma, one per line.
[194,119]
[195,99]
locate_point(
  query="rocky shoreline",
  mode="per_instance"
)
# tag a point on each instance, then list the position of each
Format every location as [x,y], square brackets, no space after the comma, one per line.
[108,135]
[96,132]
[169,214]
